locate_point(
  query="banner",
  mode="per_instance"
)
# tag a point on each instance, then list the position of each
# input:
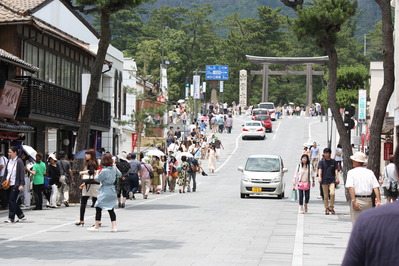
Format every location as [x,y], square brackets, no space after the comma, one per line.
[134,141]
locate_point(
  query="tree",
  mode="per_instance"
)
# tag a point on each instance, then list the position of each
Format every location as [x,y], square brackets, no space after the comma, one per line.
[104,8]
[386,91]
[350,79]
[322,21]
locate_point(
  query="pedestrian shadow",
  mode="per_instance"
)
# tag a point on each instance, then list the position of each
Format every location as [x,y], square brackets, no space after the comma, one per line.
[159,207]
[101,247]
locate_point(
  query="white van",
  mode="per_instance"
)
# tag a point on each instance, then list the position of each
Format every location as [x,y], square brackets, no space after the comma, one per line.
[270,107]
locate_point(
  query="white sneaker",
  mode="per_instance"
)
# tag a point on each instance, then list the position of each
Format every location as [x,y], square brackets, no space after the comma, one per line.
[319,197]
[23,218]
[114,230]
[130,195]
[93,229]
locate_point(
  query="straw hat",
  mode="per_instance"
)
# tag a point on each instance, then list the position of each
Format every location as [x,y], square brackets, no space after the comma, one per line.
[122,156]
[359,157]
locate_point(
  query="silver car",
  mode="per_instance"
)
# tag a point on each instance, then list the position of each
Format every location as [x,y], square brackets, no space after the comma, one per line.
[263,175]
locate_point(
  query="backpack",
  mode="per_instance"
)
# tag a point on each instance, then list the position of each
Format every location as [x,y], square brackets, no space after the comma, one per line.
[123,166]
[193,167]
[393,186]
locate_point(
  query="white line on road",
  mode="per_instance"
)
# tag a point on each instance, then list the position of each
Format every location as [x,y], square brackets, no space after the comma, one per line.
[228,158]
[310,131]
[297,256]
[275,132]
[71,223]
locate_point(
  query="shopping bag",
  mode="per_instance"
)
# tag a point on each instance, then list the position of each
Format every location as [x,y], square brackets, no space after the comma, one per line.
[294,195]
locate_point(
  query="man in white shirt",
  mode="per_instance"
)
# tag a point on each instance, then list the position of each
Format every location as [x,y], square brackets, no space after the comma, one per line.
[361,183]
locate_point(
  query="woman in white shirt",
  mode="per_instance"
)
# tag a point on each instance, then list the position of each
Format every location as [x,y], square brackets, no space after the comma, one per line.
[15,172]
[302,176]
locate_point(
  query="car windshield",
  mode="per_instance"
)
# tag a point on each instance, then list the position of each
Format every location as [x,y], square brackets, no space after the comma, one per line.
[263,165]
[258,112]
[253,124]
[266,106]
[262,117]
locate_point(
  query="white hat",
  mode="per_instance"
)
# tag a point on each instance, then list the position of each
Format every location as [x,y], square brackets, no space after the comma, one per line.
[359,157]
[52,156]
[122,156]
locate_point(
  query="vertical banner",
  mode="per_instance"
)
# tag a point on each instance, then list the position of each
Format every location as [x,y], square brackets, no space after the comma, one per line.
[196,81]
[388,150]
[362,105]
[134,141]
[243,88]
[192,90]
[221,86]
[204,87]
[187,88]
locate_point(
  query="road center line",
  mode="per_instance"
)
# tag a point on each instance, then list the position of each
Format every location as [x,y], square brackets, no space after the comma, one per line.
[71,223]
[228,158]
[275,132]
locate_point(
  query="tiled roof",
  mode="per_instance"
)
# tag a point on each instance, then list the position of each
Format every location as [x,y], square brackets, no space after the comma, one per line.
[10,58]
[22,6]
[15,127]
[6,15]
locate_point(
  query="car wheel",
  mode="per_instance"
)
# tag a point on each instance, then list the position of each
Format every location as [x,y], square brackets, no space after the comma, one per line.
[280,196]
[242,196]
[264,137]
[270,130]
[243,138]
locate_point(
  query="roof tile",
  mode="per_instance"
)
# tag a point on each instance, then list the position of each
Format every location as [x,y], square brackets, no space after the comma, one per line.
[22,6]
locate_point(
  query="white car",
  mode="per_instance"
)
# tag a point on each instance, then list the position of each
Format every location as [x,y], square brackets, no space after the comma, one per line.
[253,129]
[269,106]
[263,175]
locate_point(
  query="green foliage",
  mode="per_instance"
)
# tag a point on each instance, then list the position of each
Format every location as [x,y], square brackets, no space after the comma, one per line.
[323,19]
[350,79]
[374,43]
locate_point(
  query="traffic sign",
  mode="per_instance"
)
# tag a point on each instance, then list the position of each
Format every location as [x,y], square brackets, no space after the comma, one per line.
[217,72]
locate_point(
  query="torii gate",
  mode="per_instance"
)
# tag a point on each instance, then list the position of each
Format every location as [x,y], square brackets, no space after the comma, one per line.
[309,72]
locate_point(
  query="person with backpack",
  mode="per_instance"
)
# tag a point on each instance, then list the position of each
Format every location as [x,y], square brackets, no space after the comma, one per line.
[361,182]
[65,179]
[122,183]
[390,181]
[192,173]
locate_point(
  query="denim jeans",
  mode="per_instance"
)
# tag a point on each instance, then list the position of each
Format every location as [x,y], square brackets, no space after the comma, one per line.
[14,207]
[305,193]
[133,182]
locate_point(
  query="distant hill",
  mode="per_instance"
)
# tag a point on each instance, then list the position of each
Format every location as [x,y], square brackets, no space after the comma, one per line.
[369,11]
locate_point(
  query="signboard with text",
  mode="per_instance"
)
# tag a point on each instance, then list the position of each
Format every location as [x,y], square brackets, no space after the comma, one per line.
[362,105]
[10,96]
[217,72]
[196,81]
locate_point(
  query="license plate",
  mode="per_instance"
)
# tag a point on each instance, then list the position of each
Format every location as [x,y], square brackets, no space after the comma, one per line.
[256,189]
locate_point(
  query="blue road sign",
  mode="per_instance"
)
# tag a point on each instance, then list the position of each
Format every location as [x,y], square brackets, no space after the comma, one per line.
[216,72]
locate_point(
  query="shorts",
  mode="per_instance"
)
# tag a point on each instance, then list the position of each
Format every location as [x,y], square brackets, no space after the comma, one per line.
[388,193]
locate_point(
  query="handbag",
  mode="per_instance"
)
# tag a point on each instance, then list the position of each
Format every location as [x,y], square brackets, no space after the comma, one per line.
[47,181]
[174,173]
[151,173]
[304,186]
[160,171]
[294,195]
[5,184]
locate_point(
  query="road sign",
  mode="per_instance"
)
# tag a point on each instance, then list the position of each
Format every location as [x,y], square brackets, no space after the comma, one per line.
[221,86]
[216,72]
[196,81]
[362,105]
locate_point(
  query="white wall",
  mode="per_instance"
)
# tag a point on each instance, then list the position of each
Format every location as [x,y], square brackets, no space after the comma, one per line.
[376,82]
[58,15]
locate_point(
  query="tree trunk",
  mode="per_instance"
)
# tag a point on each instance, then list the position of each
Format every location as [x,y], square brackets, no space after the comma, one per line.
[332,102]
[387,89]
[96,70]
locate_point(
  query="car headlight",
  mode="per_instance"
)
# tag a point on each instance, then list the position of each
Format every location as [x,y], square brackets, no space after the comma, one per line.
[277,179]
[246,178]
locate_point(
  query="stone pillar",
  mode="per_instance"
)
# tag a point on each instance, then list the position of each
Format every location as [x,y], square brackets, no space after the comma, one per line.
[214,93]
[265,83]
[243,88]
[309,88]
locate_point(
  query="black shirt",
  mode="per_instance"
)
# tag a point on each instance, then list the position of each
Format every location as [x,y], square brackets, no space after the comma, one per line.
[374,238]
[54,173]
[328,168]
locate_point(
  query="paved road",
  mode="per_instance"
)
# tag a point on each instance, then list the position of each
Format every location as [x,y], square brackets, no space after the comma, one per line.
[212,226]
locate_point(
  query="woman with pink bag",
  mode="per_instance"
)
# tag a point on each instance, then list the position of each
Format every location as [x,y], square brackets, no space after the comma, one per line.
[302,176]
